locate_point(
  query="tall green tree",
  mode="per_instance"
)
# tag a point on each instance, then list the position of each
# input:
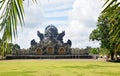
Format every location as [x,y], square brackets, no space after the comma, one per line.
[112,14]
[102,34]
[112,10]
[0,46]
[94,51]
[10,47]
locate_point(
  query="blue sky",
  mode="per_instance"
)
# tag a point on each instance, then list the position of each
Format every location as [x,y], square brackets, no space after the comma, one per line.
[77,17]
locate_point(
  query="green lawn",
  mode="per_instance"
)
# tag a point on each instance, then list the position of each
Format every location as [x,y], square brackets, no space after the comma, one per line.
[58,68]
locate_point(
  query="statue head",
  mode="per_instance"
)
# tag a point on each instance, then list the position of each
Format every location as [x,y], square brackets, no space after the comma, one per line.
[51,31]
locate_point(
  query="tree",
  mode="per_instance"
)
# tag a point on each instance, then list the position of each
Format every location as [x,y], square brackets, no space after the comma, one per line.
[112,10]
[103,52]
[10,47]
[15,47]
[12,13]
[102,34]
[95,35]
[0,46]
[94,51]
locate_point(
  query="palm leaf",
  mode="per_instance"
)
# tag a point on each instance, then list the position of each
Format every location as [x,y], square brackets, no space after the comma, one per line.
[12,13]
[112,10]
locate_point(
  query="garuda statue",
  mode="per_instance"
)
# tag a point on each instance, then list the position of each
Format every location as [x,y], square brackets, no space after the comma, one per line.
[51,38]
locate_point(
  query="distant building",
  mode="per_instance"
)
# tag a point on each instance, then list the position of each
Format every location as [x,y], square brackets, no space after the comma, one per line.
[78,51]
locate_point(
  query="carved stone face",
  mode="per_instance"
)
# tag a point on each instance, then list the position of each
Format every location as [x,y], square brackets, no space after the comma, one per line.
[51,31]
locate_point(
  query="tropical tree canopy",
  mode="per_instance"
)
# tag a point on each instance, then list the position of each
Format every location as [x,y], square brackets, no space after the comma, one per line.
[108,28]
[101,33]
[94,51]
[10,47]
[112,10]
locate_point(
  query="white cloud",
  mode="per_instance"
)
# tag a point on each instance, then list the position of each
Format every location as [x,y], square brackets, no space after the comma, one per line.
[55,9]
[25,36]
[83,18]
[57,14]
[33,15]
[56,23]
[53,2]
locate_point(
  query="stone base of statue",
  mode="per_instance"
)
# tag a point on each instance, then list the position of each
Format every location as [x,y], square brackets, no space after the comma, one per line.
[49,57]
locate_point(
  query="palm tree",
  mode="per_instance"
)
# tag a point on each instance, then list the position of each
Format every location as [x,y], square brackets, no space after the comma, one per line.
[0,45]
[11,13]
[112,10]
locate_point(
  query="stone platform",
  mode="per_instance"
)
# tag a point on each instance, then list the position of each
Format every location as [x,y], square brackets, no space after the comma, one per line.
[49,57]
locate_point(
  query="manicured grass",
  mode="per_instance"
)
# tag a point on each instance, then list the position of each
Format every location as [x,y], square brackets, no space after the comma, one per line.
[58,68]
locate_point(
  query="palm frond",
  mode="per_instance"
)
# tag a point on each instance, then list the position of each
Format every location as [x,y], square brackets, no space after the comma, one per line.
[12,13]
[112,10]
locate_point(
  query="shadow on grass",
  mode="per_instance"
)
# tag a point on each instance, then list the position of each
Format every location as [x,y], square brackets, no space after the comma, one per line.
[108,73]
[88,67]
[114,61]
[25,73]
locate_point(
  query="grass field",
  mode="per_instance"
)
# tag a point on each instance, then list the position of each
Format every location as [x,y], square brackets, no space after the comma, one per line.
[58,68]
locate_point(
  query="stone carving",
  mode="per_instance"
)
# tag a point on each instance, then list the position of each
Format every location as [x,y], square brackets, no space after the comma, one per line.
[51,42]
[51,32]
[69,42]
[33,42]
[60,36]
[40,35]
